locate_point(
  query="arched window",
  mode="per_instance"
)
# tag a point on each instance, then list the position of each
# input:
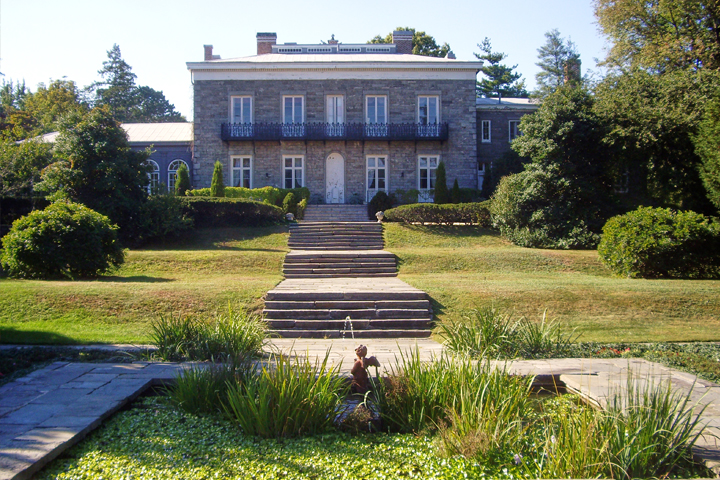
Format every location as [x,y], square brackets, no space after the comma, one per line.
[172,173]
[153,177]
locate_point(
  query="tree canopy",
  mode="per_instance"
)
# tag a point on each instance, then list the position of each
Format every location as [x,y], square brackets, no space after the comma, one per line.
[554,57]
[661,34]
[499,80]
[128,102]
[423,44]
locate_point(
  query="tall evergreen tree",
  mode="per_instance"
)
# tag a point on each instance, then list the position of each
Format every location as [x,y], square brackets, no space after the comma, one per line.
[554,57]
[217,185]
[442,195]
[499,80]
[182,181]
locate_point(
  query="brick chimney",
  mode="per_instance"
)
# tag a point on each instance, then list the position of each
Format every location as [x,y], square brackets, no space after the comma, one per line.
[265,41]
[332,40]
[208,52]
[403,41]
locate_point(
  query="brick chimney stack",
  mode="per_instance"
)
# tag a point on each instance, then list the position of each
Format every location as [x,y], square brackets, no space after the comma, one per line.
[403,41]
[265,42]
[572,71]
[208,52]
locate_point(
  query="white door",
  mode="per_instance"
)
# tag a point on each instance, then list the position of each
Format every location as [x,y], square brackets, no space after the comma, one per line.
[335,179]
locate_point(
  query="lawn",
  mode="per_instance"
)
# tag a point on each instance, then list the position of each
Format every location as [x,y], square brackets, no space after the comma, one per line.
[460,267]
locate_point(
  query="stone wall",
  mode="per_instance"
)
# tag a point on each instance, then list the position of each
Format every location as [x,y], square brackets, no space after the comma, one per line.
[457,98]
[499,131]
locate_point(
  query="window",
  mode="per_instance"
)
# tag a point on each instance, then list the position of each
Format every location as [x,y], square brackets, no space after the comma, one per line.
[427,166]
[514,127]
[335,115]
[376,175]
[485,136]
[293,116]
[428,111]
[241,109]
[294,172]
[376,115]
[172,173]
[153,177]
[241,172]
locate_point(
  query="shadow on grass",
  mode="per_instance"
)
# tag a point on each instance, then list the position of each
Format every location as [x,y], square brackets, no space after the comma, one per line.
[12,336]
[134,279]
[219,239]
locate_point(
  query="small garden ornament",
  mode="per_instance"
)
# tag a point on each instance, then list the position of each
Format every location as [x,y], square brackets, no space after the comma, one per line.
[359,370]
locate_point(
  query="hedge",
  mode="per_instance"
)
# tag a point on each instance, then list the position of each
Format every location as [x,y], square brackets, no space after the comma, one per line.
[659,242]
[447,214]
[271,195]
[229,212]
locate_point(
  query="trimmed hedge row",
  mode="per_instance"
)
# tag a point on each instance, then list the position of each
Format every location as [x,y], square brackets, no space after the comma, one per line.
[446,214]
[659,242]
[229,212]
[271,195]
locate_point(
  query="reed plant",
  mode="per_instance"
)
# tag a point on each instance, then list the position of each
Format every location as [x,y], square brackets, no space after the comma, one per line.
[201,389]
[491,333]
[287,399]
[232,335]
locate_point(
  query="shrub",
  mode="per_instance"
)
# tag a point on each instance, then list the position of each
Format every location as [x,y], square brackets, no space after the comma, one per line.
[288,399]
[405,197]
[233,335]
[539,208]
[467,213]
[229,212]
[379,203]
[289,204]
[162,217]
[182,181]
[301,206]
[271,195]
[63,240]
[659,242]
[442,195]
[455,195]
[217,184]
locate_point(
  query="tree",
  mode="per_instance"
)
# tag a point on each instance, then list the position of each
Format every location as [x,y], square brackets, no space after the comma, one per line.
[217,185]
[95,166]
[661,35]
[48,104]
[20,166]
[15,123]
[442,195]
[554,57]
[455,194]
[127,102]
[707,146]
[423,44]
[182,182]
[500,80]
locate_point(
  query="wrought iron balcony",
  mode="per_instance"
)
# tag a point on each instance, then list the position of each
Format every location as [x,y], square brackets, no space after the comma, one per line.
[334,131]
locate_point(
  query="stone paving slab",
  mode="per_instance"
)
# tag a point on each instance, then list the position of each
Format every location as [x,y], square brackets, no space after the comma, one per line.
[34,429]
[344,285]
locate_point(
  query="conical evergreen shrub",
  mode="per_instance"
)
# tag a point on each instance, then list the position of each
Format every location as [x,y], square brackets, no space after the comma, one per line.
[217,186]
[442,195]
[182,181]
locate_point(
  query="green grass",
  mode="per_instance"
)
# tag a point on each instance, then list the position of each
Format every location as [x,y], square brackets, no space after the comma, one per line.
[200,274]
[466,267]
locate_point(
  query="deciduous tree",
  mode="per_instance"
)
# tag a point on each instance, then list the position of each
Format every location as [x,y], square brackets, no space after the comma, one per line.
[423,44]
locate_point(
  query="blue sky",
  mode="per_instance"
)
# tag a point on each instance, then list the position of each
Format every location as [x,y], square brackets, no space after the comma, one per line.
[43,40]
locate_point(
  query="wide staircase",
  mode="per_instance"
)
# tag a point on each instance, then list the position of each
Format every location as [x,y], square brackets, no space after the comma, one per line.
[337,269]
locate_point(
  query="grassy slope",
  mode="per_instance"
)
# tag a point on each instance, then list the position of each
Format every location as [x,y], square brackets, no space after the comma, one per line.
[198,275]
[463,267]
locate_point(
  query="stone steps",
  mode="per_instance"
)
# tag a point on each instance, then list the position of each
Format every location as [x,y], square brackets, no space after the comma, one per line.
[336,213]
[347,334]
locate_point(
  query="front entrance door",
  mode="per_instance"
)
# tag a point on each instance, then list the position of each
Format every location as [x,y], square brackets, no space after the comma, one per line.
[335,179]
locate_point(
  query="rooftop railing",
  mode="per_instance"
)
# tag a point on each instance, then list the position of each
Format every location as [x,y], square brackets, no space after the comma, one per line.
[334,131]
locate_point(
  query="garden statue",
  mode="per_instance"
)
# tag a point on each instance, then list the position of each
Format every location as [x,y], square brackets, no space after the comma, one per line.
[359,369]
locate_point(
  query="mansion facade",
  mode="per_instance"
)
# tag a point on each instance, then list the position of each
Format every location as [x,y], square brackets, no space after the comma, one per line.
[344,120]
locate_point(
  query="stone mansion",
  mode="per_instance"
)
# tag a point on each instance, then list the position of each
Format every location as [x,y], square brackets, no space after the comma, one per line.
[345,120]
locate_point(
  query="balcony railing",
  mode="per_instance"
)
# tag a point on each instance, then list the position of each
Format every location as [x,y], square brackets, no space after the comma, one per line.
[334,131]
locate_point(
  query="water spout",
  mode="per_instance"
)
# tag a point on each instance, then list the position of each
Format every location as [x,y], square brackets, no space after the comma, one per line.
[345,327]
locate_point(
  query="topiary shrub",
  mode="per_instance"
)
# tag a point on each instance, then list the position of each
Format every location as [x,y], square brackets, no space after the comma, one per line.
[379,203]
[442,195]
[65,240]
[659,242]
[539,208]
[448,214]
[289,204]
[455,194]
[217,184]
[208,212]
[182,181]
[271,195]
